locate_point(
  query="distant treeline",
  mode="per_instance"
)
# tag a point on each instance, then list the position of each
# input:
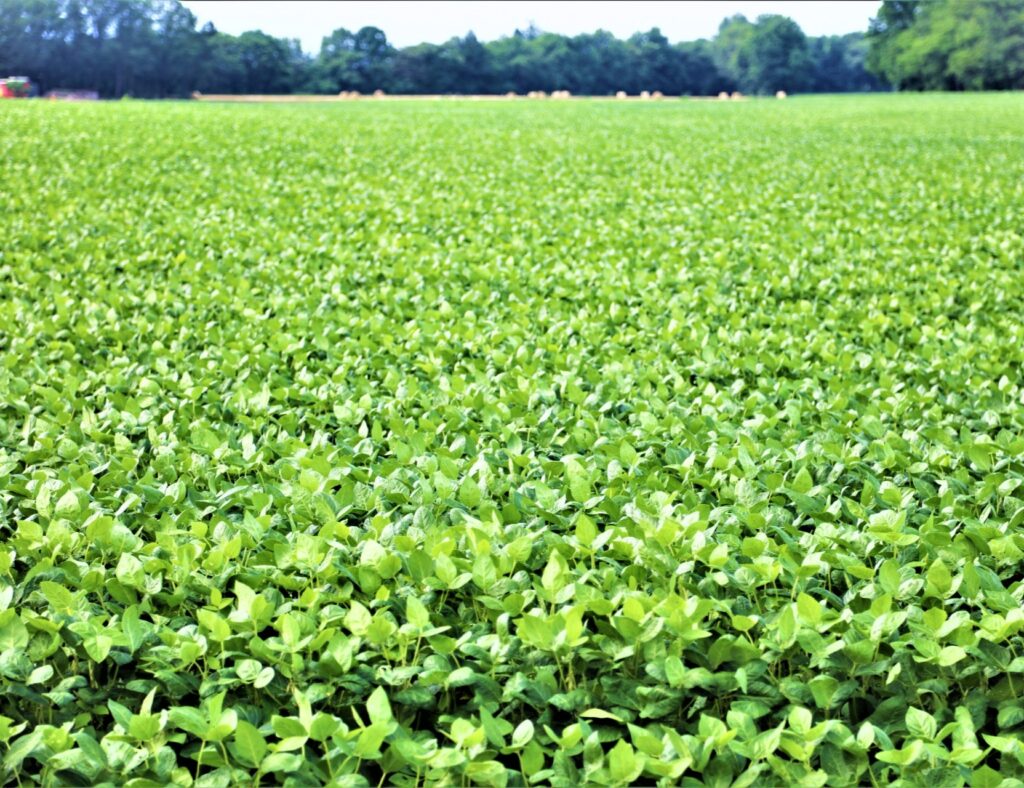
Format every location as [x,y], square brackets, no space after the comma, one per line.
[949,44]
[152,48]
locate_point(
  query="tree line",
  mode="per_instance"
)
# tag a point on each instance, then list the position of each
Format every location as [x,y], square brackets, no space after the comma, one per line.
[153,49]
[949,44]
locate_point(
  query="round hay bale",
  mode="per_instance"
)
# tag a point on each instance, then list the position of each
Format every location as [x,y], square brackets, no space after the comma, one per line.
[780,94]
[620,94]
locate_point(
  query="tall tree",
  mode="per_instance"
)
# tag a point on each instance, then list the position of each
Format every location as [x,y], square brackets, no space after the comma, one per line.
[657,66]
[700,75]
[949,44]
[895,17]
[730,47]
[355,61]
[776,57]
[839,64]
[767,55]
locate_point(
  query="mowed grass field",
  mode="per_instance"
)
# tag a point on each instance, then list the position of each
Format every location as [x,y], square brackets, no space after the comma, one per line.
[564,443]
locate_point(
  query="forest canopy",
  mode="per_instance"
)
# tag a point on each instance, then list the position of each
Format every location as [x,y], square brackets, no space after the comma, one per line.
[154,49]
[949,44]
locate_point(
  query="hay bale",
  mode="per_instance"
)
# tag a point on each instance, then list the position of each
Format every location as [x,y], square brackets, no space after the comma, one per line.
[780,94]
[511,94]
[620,94]
[645,94]
[723,96]
[378,93]
[736,96]
[657,95]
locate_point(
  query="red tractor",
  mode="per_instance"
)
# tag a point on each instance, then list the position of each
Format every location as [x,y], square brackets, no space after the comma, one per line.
[15,87]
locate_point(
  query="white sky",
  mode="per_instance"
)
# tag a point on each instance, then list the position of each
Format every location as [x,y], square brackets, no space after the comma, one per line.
[407,23]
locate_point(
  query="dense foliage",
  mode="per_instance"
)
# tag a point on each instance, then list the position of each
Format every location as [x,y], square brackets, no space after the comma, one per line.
[151,48]
[949,44]
[590,443]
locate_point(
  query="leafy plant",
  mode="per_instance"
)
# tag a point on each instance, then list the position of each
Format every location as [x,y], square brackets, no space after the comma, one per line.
[600,443]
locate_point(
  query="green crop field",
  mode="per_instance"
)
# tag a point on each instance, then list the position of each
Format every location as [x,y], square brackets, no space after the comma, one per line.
[465,443]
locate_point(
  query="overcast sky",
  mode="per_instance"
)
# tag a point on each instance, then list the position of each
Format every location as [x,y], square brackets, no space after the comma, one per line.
[436,21]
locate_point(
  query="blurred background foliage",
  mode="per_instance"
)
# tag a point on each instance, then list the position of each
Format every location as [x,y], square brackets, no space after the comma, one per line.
[153,49]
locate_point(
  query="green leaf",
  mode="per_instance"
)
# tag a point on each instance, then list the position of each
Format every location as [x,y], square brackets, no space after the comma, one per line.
[378,707]
[903,757]
[98,647]
[358,619]
[523,734]
[921,724]
[13,633]
[675,672]
[189,719]
[416,613]
[250,746]
[802,482]
[67,505]
[624,765]
[134,629]
[599,714]
[939,578]
[950,655]
[469,493]
[58,596]
[40,675]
